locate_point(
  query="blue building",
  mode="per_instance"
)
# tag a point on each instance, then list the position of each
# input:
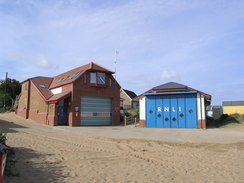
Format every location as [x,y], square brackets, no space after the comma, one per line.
[173,105]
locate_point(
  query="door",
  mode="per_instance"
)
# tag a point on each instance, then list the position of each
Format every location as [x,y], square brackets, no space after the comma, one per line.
[150,112]
[63,112]
[191,111]
[174,111]
[96,111]
[159,111]
[181,111]
[166,111]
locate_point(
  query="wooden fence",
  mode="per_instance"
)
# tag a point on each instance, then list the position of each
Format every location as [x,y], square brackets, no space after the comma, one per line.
[130,120]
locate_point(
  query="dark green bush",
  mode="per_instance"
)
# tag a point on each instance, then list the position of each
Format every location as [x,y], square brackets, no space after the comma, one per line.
[3,138]
[226,119]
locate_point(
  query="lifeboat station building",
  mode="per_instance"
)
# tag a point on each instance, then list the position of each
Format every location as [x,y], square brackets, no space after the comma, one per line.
[85,96]
[173,105]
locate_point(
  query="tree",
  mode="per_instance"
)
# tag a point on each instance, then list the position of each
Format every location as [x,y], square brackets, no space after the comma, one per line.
[9,89]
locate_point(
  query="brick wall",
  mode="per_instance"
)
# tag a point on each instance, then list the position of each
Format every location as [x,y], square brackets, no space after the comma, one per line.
[38,107]
[23,99]
[142,123]
[81,89]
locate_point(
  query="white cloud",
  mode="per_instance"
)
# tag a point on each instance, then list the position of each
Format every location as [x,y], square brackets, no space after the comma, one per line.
[42,62]
[170,75]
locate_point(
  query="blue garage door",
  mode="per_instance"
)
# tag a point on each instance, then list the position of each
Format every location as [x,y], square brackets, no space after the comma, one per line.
[171,111]
[96,111]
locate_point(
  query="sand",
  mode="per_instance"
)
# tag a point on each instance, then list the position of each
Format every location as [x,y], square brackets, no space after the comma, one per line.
[45,154]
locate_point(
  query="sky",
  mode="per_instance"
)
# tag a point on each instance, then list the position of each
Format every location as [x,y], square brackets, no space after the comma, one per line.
[193,42]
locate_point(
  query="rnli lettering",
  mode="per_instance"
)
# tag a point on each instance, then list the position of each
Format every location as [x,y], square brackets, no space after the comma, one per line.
[166,109]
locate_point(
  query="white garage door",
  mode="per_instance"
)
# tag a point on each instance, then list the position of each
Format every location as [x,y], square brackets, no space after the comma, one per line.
[96,111]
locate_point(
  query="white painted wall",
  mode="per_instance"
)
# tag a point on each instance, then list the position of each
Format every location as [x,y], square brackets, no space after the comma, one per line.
[57,90]
[200,107]
[142,107]
[203,107]
[199,113]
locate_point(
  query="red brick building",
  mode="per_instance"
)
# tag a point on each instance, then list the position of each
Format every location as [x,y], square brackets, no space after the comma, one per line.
[84,96]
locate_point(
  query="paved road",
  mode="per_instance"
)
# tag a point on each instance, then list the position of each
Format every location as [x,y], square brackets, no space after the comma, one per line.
[220,135]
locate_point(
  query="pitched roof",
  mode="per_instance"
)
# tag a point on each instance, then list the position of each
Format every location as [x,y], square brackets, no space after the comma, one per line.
[72,75]
[233,103]
[59,96]
[170,85]
[45,84]
[42,84]
[131,94]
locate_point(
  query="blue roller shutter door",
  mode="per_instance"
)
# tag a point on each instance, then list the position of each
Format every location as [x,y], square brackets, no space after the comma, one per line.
[96,111]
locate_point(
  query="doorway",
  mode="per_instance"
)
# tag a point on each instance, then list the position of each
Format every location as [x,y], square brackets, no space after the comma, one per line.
[63,106]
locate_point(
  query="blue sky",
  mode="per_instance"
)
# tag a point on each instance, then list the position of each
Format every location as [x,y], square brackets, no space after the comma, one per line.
[196,43]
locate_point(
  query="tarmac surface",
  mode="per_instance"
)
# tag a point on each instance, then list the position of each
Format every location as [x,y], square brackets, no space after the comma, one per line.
[220,135]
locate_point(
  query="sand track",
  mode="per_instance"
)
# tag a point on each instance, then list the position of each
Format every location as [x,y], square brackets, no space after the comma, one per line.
[45,154]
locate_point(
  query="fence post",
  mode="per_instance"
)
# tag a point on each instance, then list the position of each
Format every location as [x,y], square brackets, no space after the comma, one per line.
[135,121]
[125,120]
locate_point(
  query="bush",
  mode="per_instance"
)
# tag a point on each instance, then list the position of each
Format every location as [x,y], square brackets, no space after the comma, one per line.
[226,119]
[3,138]
[132,112]
[238,117]
[210,122]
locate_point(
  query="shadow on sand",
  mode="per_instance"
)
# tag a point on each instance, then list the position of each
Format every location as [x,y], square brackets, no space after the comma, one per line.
[26,166]
[8,127]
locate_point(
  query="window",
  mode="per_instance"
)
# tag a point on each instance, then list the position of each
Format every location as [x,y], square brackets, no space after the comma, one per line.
[75,75]
[110,82]
[101,78]
[97,78]
[121,102]
[93,78]
[84,79]
[63,79]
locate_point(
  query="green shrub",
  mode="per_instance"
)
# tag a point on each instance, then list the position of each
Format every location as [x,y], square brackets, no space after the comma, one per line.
[238,117]
[3,138]
[226,119]
[210,122]
[132,112]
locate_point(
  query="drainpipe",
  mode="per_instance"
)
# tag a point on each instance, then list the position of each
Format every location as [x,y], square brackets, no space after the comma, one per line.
[47,121]
[28,100]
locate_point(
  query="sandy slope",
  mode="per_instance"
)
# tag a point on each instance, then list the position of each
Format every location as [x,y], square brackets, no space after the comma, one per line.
[45,154]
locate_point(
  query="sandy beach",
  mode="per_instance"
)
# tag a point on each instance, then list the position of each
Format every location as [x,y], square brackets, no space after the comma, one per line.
[48,154]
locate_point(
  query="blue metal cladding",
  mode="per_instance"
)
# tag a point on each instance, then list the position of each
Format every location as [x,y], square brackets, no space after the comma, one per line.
[191,111]
[171,111]
[174,111]
[166,110]
[151,115]
[182,109]
[159,112]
